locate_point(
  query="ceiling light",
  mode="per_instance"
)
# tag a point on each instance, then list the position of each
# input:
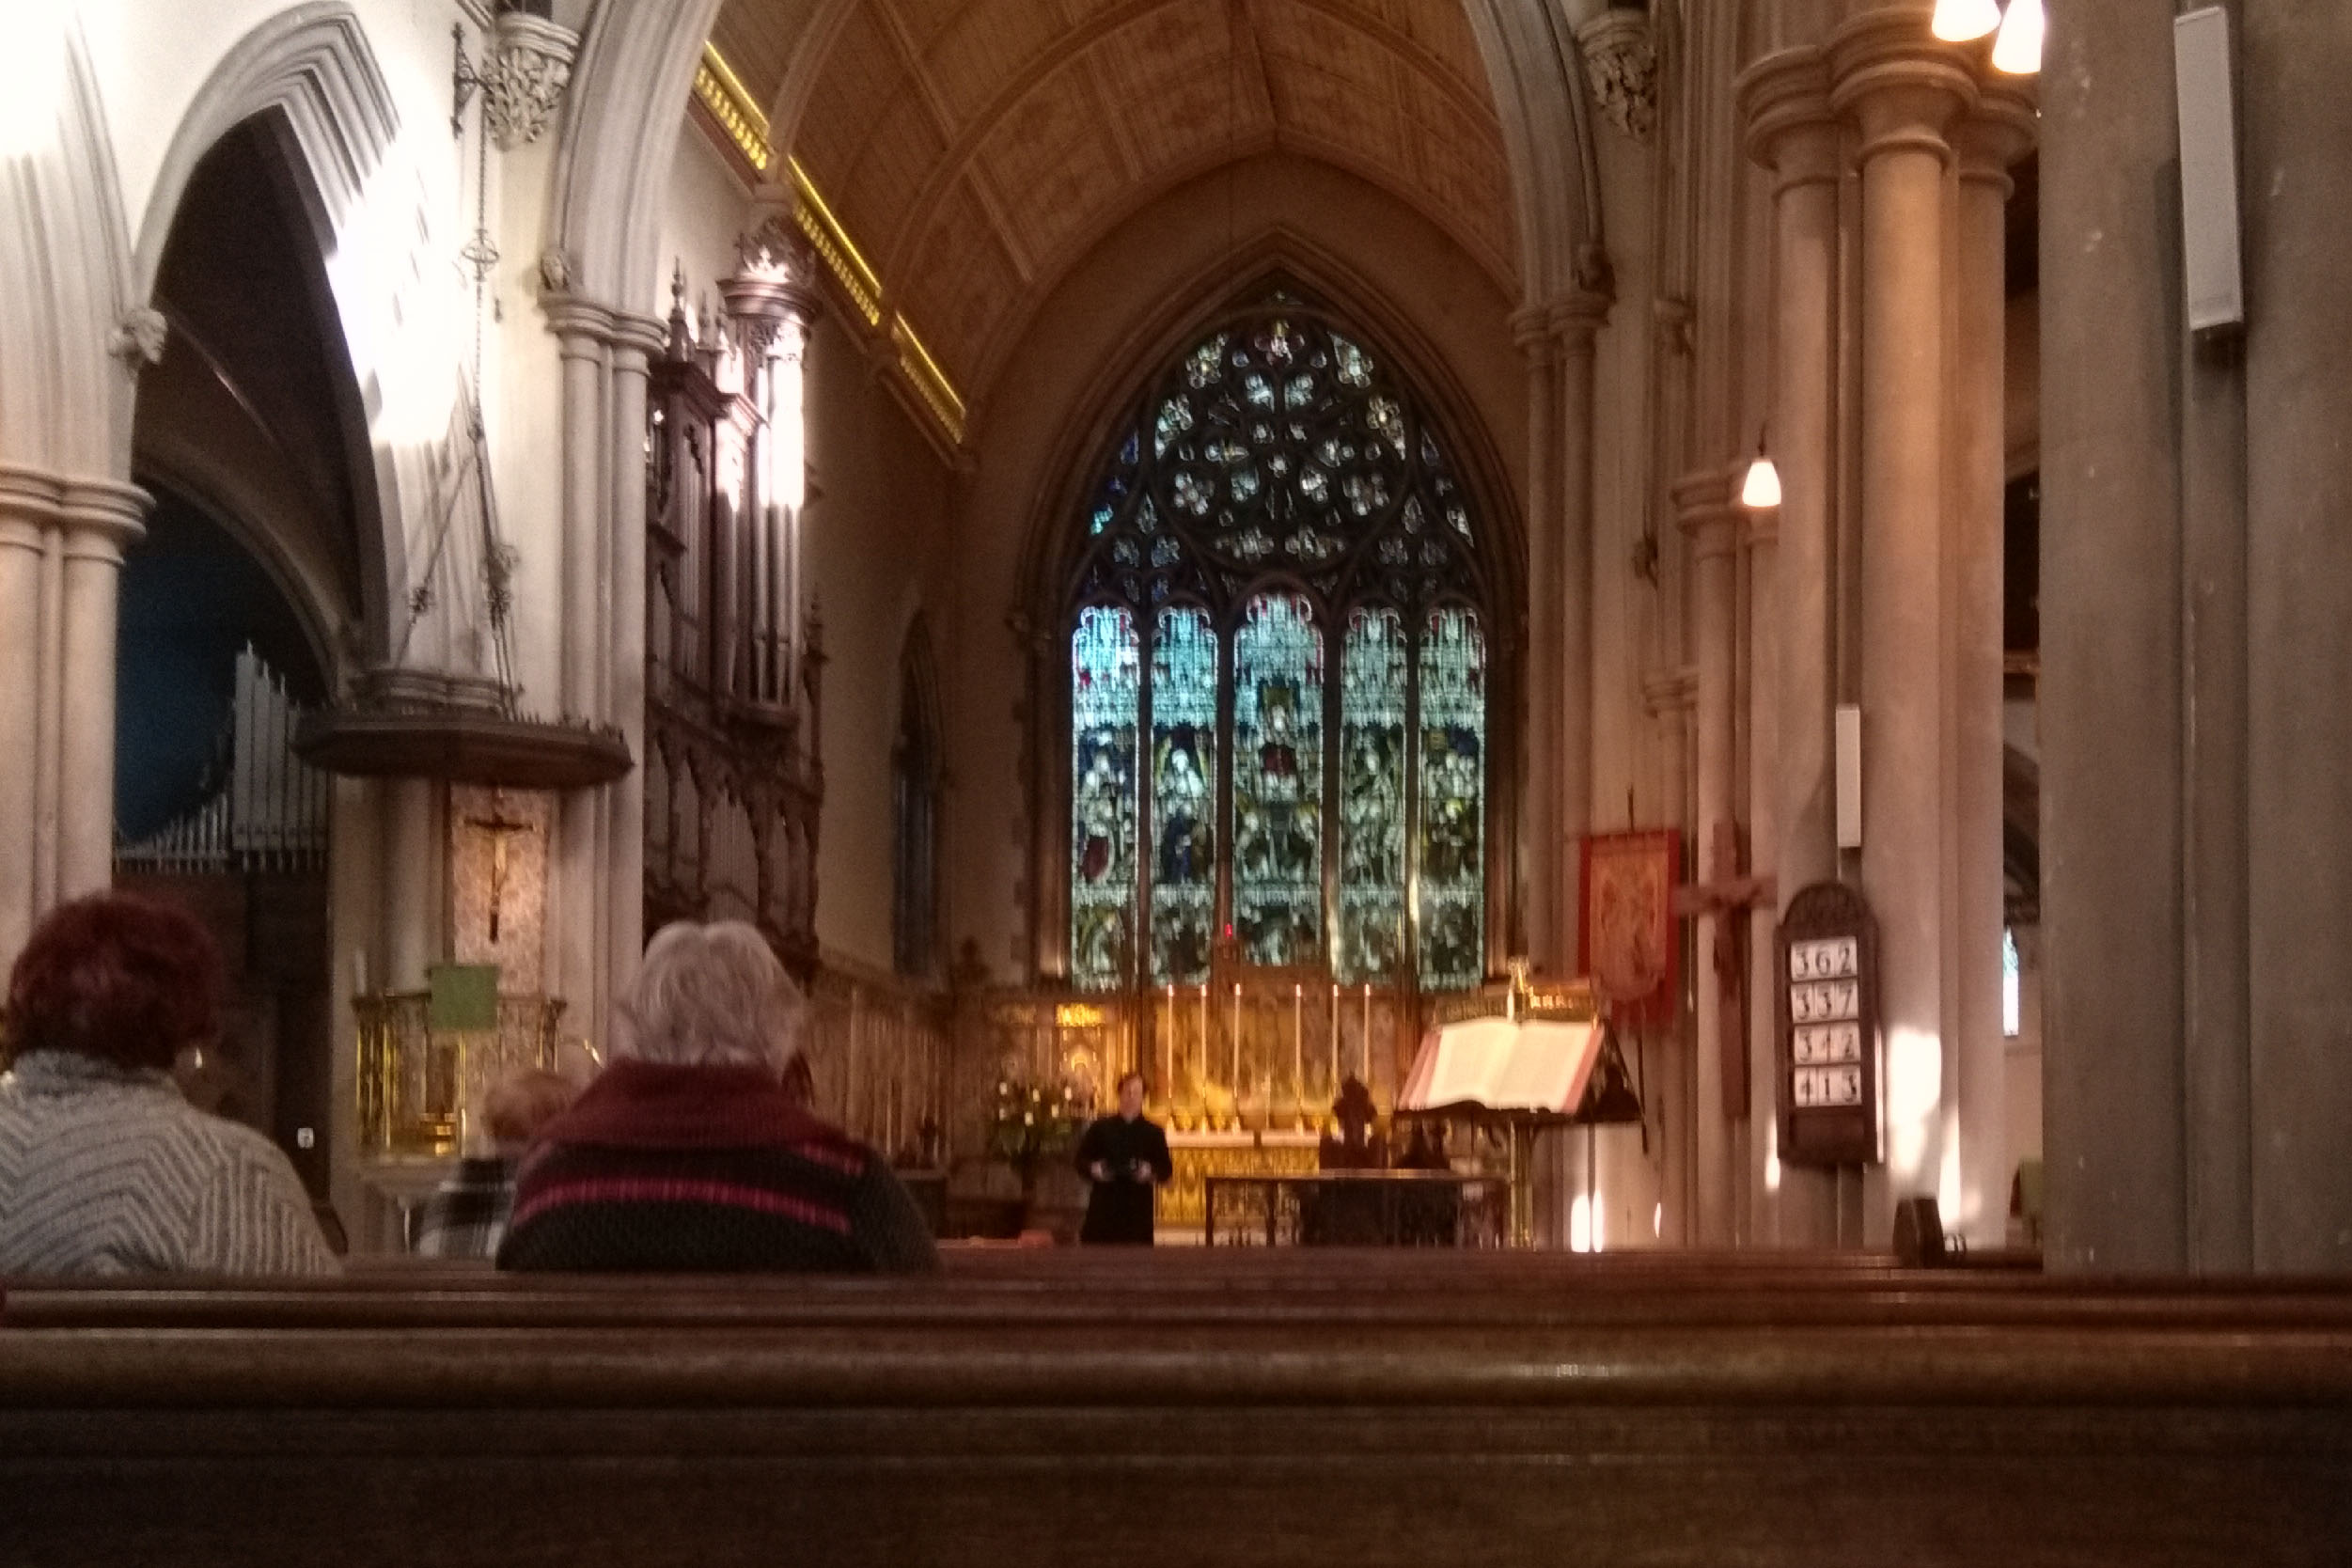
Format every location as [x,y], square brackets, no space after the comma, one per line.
[2018,49]
[1760,490]
[1958,21]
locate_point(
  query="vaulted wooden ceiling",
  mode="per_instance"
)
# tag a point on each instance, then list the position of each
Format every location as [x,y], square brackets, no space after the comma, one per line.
[976,149]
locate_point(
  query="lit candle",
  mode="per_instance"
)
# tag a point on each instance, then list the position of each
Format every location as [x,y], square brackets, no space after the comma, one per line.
[1334,1038]
[1238,1077]
[1168,1051]
[1298,1046]
[1368,1072]
[1202,1061]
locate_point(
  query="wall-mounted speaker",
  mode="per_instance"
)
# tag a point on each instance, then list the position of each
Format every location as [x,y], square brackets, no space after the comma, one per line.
[2212,277]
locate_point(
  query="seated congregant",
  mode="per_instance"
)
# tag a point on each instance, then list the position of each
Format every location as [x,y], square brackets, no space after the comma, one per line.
[688,1154]
[466,1216]
[104,1167]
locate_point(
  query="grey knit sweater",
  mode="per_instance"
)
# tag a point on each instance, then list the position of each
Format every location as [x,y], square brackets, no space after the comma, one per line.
[104,1170]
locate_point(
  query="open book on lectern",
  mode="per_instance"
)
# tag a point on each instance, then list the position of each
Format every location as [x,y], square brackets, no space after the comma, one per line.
[1504,1064]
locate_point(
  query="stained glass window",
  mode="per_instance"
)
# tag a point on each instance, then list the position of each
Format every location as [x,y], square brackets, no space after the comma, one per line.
[1454,798]
[1183,795]
[1372,796]
[1280,487]
[1277,780]
[1105,688]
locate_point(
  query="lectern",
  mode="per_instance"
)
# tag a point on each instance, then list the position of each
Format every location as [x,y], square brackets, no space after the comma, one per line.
[1546,1059]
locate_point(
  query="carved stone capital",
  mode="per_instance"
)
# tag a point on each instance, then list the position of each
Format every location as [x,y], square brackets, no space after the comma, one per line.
[1621,64]
[1791,128]
[1902,85]
[524,80]
[1703,510]
[138,339]
[2002,130]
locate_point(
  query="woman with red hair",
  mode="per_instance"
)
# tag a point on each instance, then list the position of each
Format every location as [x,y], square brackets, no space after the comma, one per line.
[103,1168]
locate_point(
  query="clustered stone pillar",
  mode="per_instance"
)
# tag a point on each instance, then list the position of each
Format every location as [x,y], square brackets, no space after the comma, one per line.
[1542,842]
[1575,323]
[1997,133]
[1794,131]
[1930,136]
[61,544]
[1903,93]
[596,897]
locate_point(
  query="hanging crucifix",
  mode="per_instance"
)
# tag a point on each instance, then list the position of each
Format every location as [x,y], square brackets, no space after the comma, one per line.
[500,827]
[1726,894]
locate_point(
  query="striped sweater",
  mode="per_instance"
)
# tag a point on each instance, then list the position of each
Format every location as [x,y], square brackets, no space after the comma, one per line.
[706,1169]
[106,1171]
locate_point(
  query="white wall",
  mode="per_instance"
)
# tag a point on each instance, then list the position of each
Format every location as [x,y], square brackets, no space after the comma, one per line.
[876,542]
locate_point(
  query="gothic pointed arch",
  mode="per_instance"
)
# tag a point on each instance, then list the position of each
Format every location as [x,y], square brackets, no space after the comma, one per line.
[307,80]
[1270,632]
[69,347]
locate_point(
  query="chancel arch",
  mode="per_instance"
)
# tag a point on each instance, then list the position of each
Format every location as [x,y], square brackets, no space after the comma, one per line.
[1275,666]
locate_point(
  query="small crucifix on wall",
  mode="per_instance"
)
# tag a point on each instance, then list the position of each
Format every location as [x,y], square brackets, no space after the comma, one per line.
[1726,894]
[500,827]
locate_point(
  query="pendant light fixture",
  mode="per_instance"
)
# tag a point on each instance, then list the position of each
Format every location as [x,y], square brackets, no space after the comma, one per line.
[1760,490]
[2018,49]
[1958,21]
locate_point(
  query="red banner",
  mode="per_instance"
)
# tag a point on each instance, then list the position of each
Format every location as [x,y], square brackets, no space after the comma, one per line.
[1627,944]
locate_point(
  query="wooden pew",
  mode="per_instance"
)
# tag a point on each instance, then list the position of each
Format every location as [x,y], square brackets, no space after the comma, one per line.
[1060,1407]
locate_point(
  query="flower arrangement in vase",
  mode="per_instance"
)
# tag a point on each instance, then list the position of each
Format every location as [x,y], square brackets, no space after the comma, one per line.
[1032,1123]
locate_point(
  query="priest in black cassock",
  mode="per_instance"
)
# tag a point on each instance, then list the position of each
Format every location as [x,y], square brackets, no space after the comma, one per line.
[1125,1156]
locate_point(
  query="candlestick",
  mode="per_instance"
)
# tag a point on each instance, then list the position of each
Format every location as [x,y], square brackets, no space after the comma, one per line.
[1168,1051]
[1367,1043]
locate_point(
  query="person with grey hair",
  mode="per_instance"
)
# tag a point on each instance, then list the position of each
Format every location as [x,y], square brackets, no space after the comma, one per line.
[690,1154]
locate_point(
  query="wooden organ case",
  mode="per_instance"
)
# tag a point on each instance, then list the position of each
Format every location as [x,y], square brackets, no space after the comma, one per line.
[734,663]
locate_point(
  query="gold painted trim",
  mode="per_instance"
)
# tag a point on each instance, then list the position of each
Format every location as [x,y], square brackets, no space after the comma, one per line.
[930,382]
[832,242]
[722,93]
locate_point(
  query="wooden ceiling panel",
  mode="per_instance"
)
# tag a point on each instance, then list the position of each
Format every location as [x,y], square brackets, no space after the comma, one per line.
[960,283]
[756,45]
[1053,162]
[1342,109]
[862,81]
[973,148]
[989,44]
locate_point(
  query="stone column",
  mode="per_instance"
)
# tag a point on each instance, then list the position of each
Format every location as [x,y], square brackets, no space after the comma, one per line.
[2298,124]
[1667,697]
[577,887]
[99,520]
[1543,846]
[20,712]
[1988,142]
[1702,501]
[2112,785]
[1575,322]
[624,902]
[1903,89]
[1793,130]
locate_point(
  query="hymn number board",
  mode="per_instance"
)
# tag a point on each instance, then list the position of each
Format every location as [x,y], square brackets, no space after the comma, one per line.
[1828,1007]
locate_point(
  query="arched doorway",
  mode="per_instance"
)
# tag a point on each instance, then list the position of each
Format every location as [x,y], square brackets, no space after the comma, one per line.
[237,609]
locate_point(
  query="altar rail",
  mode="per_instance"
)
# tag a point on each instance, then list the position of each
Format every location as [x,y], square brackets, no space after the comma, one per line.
[1268,1407]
